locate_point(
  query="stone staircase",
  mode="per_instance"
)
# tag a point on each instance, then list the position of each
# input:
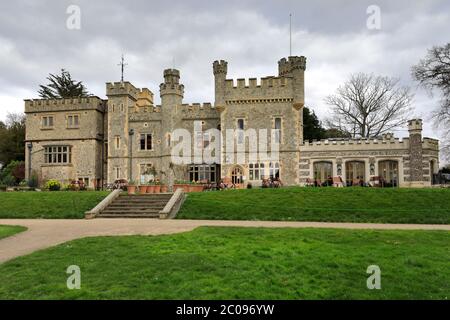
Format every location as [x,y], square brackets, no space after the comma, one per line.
[136,206]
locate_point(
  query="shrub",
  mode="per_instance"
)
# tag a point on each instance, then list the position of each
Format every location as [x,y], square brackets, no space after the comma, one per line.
[23,183]
[13,173]
[53,185]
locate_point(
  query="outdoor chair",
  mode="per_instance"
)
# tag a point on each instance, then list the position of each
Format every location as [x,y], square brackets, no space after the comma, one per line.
[337,182]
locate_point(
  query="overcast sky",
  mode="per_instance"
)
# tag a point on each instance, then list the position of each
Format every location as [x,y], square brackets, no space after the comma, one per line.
[251,35]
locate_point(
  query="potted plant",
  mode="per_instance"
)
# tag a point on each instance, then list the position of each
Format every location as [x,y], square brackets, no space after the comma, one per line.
[164,187]
[143,188]
[131,188]
[157,186]
[196,186]
[151,187]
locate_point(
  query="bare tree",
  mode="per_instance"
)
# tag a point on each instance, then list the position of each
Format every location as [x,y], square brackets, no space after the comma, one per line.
[433,72]
[368,105]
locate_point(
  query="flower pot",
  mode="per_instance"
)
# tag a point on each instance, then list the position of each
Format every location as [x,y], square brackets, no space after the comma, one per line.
[131,189]
[157,189]
[143,189]
[151,189]
[164,188]
[196,188]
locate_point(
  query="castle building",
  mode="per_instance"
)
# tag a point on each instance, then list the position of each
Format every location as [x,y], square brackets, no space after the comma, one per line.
[128,137]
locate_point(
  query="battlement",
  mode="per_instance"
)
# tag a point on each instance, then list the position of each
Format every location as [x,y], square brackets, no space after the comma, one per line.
[197,106]
[266,82]
[268,88]
[145,98]
[360,144]
[171,76]
[286,66]
[199,111]
[54,105]
[220,67]
[371,143]
[430,143]
[167,88]
[122,88]
[415,125]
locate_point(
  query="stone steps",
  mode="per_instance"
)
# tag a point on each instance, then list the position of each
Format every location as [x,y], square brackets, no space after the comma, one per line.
[136,206]
[129,215]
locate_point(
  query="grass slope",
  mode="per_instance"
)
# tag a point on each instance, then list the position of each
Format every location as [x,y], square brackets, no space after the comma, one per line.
[238,263]
[322,204]
[6,231]
[48,204]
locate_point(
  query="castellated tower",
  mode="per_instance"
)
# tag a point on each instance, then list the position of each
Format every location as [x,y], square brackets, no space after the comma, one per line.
[171,91]
[416,152]
[220,75]
[122,97]
[294,68]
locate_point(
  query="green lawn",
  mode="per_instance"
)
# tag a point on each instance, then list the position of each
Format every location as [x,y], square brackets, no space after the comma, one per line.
[238,263]
[6,231]
[322,204]
[57,204]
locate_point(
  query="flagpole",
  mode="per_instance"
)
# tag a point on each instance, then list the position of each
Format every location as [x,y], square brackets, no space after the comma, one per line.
[290,34]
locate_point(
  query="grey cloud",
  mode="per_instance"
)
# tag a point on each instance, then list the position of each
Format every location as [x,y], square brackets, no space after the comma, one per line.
[252,35]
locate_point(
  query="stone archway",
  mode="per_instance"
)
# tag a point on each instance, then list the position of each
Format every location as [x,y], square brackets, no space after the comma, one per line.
[355,172]
[388,169]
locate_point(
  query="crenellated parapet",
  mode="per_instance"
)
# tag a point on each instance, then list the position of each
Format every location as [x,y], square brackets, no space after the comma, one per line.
[252,83]
[72,104]
[199,110]
[122,89]
[171,85]
[220,67]
[286,66]
[267,88]
[372,143]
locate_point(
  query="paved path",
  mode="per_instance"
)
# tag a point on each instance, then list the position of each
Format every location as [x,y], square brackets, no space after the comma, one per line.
[44,233]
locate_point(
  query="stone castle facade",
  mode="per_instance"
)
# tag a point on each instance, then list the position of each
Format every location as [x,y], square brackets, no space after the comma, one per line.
[128,137]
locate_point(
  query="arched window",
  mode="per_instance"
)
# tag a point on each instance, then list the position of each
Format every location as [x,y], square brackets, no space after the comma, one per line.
[236,175]
[323,171]
[355,173]
[388,170]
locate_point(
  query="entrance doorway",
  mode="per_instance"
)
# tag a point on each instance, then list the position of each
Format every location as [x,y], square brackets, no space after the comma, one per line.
[236,175]
[355,172]
[388,170]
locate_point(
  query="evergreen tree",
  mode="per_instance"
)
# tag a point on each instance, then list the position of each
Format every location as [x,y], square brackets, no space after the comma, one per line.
[312,127]
[62,86]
